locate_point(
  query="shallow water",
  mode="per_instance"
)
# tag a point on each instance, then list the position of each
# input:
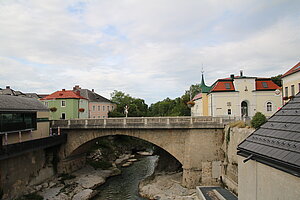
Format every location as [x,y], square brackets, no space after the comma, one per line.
[125,186]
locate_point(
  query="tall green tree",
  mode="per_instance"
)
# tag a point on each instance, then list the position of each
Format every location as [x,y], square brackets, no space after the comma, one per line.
[277,79]
[137,107]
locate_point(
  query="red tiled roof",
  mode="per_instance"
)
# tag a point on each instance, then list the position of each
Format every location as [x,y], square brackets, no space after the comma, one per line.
[220,86]
[294,69]
[64,94]
[265,84]
[198,96]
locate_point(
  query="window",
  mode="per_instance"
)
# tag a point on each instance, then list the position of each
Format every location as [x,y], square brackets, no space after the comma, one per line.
[98,108]
[229,111]
[293,90]
[107,108]
[265,84]
[94,108]
[269,107]
[298,87]
[63,116]
[112,107]
[98,116]
[103,116]
[46,103]
[103,108]
[17,121]
[228,103]
[63,103]
[286,91]
[227,85]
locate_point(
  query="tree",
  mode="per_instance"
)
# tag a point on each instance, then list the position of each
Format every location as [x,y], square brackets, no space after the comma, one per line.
[258,120]
[137,106]
[277,80]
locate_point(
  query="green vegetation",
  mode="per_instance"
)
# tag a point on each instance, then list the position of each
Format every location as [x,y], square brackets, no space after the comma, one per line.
[238,124]
[258,119]
[32,196]
[277,80]
[102,164]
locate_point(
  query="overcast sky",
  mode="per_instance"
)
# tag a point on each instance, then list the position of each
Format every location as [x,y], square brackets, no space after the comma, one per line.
[151,49]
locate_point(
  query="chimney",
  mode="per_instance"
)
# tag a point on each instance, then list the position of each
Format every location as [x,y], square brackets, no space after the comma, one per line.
[7,87]
[93,90]
[232,76]
[241,73]
[63,90]
[76,87]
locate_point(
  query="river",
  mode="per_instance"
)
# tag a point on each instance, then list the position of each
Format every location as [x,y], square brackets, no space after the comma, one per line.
[125,185]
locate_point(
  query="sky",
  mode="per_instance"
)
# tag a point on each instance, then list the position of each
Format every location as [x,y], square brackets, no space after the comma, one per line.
[148,49]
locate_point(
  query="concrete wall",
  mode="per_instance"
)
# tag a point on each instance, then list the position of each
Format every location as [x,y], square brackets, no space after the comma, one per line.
[18,173]
[201,106]
[83,103]
[261,182]
[233,136]
[71,108]
[195,149]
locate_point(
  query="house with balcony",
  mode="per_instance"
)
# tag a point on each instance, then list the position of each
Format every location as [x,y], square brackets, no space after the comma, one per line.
[238,96]
[291,82]
[66,104]
[22,119]
[98,106]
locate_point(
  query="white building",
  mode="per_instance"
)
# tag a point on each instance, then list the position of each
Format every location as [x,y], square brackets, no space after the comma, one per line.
[291,82]
[241,96]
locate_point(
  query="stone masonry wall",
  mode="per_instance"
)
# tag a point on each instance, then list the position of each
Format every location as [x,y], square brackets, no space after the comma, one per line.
[18,173]
[233,136]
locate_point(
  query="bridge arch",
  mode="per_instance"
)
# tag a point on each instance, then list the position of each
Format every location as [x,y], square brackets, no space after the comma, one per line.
[78,140]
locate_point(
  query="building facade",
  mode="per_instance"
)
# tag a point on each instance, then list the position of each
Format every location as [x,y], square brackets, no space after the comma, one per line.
[239,96]
[269,159]
[98,106]
[22,119]
[66,104]
[291,82]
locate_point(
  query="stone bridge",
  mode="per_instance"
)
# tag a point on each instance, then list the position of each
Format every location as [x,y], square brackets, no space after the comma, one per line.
[194,141]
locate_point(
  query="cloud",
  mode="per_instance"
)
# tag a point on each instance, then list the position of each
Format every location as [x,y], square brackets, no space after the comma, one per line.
[149,49]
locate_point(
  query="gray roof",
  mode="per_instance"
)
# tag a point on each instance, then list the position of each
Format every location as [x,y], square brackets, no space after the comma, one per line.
[19,103]
[92,96]
[277,142]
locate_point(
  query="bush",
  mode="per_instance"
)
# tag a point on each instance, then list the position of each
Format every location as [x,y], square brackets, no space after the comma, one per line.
[258,120]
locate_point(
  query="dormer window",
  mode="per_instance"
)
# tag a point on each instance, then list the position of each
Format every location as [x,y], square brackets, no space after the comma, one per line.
[265,84]
[227,85]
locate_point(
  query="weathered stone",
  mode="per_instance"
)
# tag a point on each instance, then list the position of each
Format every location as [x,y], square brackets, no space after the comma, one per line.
[84,195]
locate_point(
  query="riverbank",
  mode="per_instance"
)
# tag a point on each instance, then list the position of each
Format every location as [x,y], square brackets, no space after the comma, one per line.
[166,186]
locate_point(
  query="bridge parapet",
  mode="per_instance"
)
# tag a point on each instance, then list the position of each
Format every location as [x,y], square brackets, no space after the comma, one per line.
[142,122]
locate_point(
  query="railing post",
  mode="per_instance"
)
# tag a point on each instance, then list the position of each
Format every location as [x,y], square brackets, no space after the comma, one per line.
[221,120]
[69,122]
[191,120]
[6,139]
[86,122]
[20,136]
[31,134]
[145,121]
[168,121]
[124,122]
[104,122]
[58,130]
[50,132]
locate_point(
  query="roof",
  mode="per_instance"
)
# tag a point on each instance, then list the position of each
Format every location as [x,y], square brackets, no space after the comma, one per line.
[277,142]
[92,96]
[203,86]
[18,103]
[198,96]
[227,84]
[63,94]
[223,85]
[293,70]
[263,84]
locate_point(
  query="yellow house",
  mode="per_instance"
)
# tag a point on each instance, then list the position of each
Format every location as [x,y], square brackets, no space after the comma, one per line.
[291,82]
[238,96]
